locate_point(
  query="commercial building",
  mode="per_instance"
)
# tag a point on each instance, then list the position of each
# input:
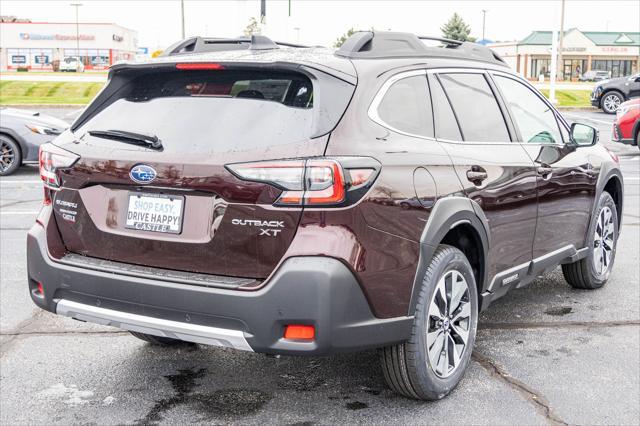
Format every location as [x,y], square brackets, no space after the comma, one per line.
[41,45]
[615,52]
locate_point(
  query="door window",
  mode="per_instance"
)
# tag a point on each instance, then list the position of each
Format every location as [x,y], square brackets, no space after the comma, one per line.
[475,107]
[535,120]
[406,107]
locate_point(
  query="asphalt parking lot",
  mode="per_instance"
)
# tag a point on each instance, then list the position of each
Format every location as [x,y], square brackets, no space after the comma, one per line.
[544,354]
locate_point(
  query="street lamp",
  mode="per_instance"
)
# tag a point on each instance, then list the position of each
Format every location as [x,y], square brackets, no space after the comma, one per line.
[77,6]
[484,14]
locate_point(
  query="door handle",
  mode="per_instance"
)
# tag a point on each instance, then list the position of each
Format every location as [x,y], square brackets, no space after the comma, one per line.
[476,175]
[544,170]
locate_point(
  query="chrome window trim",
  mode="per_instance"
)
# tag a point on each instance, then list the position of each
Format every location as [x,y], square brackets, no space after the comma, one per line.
[372,112]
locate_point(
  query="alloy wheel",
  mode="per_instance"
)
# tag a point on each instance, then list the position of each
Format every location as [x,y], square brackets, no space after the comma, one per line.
[611,103]
[603,242]
[449,323]
[7,156]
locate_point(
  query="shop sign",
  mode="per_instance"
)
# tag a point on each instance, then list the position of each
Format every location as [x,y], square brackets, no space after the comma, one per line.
[615,49]
[60,37]
[41,59]
[18,59]
[117,37]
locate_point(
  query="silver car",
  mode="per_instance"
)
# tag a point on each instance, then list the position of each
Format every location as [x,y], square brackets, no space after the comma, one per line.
[21,134]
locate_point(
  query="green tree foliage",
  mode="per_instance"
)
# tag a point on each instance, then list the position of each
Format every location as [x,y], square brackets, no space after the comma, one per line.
[456,29]
[340,40]
[252,28]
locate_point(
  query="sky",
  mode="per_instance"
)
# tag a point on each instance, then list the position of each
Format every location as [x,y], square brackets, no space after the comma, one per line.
[320,22]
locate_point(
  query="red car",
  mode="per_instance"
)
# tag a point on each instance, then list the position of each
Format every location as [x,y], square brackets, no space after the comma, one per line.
[626,128]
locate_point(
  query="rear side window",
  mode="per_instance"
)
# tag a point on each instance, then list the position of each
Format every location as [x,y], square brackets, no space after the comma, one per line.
[406,106]
[475,107]
[445,122]
[535,120]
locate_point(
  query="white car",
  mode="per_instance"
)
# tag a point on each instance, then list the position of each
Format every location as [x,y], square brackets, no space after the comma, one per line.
[71,63]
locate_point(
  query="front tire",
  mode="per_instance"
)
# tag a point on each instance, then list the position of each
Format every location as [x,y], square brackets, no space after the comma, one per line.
[10,156]
[611,101]
[593,271]
[432,362]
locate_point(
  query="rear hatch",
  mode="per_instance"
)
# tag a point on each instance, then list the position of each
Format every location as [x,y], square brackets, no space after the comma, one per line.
[150,186]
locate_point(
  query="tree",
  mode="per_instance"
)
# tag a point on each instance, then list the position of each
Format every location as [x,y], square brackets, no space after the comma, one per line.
[456,29]
[252,28]
[340,40]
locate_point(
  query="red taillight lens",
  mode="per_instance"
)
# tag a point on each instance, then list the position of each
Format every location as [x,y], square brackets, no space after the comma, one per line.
[52,158]
[300,332]
[199,66]
[313,182]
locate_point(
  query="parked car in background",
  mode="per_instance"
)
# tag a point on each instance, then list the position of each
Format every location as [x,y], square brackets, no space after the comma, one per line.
[71,63]
[594,75]
[21,134]
[626,128]
[284,201]
[609,94]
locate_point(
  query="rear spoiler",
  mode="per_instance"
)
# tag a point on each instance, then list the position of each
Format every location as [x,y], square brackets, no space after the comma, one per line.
[201,45]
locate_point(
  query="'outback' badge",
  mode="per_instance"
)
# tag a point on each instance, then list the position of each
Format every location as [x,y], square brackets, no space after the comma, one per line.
[142,173]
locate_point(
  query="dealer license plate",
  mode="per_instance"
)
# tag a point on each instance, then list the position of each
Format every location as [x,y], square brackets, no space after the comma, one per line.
[155,213]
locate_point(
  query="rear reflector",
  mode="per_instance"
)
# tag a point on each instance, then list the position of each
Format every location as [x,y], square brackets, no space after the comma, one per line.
[199,66]
[299,332]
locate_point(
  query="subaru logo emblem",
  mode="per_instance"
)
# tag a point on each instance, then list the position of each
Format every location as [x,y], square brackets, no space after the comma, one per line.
[142,174]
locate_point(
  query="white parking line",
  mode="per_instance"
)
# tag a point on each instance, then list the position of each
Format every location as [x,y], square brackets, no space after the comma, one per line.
[4,182]
[19,213]
[595,120]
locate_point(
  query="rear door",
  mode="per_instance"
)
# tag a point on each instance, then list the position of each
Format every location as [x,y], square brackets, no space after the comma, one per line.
[566,178]
[178,207]
[495,172]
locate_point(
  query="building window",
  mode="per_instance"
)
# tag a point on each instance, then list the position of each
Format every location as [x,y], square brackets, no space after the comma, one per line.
[540,66]
[617,68]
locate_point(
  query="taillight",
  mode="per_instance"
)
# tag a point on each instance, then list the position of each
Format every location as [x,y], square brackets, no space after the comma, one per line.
[51,159]
[316,182]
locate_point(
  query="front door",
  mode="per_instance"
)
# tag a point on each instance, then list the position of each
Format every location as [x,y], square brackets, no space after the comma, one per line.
[565,177]
[496,173]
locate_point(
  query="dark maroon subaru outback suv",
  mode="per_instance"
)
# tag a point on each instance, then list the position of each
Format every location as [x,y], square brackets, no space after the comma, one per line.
[300,201]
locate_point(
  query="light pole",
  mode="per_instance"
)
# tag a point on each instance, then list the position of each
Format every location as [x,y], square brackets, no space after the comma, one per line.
[182,13]
[77,6]
[561,36]
[484,14]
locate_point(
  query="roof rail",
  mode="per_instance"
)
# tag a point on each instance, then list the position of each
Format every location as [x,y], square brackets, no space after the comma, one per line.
[384,44]
[201,44]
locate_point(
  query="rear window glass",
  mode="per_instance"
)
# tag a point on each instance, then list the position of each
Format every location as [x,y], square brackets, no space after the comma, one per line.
[210,111]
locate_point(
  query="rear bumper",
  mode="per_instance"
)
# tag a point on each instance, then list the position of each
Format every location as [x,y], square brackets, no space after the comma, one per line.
[311,290]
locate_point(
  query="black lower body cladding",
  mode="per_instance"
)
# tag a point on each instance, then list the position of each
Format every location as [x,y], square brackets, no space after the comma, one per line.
[316,290]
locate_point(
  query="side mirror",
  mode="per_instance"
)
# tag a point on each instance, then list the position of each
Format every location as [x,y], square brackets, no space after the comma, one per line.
[583,135]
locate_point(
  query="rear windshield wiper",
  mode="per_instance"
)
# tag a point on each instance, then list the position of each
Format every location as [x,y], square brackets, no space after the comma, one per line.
[149,141]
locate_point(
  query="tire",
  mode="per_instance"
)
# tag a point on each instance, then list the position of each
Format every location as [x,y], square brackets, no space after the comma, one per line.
[638,138]
[611,101]
[10,155]
[591,272]
[160,341]
[408,368]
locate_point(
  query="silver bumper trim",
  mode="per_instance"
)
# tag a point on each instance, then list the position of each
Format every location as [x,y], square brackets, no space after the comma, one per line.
[158,327]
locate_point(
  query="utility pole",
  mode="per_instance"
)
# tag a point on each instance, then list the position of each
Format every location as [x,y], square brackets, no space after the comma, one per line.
[560,61]
[484,14]
[77,6]
[182,13]
[263,11]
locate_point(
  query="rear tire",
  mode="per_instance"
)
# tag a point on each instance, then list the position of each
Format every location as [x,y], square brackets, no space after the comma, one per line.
[611,101]
[432,362]
[10,155]
[593,271]
[159,341]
